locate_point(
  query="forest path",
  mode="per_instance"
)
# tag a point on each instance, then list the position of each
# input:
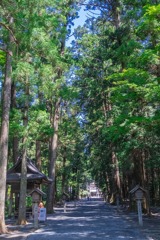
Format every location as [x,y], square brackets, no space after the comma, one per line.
[86,221]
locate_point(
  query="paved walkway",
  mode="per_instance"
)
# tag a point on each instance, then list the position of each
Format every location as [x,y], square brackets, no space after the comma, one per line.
[88,220]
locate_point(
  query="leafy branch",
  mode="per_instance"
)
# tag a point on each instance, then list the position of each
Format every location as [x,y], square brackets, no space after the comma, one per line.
[11,32]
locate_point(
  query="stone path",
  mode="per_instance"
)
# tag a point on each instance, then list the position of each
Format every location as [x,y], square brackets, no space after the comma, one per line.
[88,220]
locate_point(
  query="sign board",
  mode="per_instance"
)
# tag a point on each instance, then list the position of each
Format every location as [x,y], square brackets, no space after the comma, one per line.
[42,214]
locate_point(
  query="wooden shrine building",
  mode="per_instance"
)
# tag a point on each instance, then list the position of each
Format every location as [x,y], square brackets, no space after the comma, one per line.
[34,178]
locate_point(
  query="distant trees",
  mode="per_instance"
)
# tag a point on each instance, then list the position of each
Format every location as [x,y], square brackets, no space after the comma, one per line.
[117,73]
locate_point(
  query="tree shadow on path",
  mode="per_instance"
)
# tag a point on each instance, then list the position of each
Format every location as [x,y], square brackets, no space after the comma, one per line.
[88,220]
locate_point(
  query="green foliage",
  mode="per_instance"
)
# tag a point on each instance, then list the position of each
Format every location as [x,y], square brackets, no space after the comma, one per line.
[39,126]
[149,23]
[2,58]
[16,123]
[118,77]
[108,83]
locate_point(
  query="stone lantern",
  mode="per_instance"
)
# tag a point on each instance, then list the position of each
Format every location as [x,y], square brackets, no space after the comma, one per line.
[36,195]
[138,193]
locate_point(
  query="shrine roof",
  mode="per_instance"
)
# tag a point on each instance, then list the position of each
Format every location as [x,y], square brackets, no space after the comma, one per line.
[33,174]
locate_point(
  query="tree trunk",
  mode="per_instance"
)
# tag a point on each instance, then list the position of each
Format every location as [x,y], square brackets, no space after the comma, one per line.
[116,13]
[115,185]
[10,204]
[15,149]
[23,183]
[116,177]
[38,155]
[15,138]
[54,142]
[64,171]
[6,99]
[139,169]
[23,191]
[52,160]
